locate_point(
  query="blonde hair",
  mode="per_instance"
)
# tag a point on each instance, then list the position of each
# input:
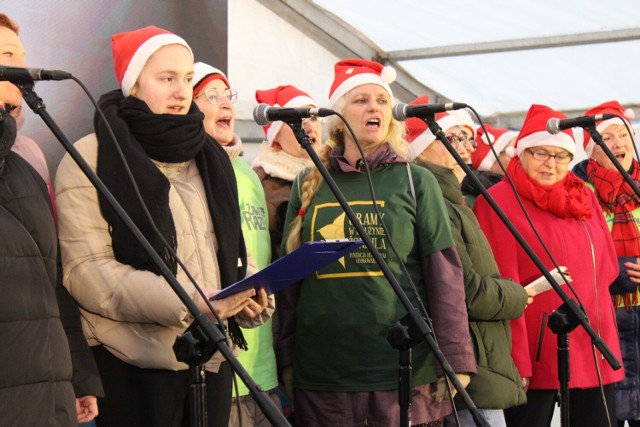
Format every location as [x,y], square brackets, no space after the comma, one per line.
[395,139]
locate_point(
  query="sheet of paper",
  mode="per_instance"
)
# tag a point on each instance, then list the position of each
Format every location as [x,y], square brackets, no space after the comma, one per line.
[541,284]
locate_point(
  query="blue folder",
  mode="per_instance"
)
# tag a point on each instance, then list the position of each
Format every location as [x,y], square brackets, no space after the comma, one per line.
[293,267]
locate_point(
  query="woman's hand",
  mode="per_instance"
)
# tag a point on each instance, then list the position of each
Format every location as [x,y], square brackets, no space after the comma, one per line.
[229,306]
[255,306]
[530,294]
[633,270]
[86,408]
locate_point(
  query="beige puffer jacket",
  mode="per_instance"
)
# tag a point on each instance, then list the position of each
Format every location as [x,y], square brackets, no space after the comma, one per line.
[135,314]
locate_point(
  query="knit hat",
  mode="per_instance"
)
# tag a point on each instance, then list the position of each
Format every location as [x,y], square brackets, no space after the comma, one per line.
[282,96]
[482,158]
[132,49]
[534,132]
[203,74]
[351,73]
[610,107]
[418,133]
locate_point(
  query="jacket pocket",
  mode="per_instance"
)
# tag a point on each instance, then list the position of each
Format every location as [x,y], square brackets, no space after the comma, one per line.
[543,327]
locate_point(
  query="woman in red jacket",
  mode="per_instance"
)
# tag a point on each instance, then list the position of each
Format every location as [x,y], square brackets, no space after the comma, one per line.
[566,215]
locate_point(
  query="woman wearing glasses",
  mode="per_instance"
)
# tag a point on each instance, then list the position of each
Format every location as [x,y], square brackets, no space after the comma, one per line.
[131,316]
[214,96]
[621,207]
[335,323]
[568,218]
[492,301]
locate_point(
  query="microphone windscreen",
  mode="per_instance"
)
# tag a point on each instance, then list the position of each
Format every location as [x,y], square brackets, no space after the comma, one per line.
[553,126]
[399,112]
[260,114]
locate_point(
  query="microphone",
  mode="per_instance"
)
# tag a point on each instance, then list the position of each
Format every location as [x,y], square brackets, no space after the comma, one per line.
[264,113]
[402,111]
[19,75]
[555,126]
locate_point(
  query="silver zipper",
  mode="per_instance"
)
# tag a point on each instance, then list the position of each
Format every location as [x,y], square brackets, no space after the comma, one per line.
[595,283]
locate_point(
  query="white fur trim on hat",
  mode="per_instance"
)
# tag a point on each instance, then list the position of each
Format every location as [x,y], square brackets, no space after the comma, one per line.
[355,81]
[421,143]
[296,102]
[424,140]
[536,139]
[499,146]
[143,53]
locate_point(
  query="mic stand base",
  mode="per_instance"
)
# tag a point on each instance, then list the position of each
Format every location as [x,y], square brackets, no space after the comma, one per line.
[561,322]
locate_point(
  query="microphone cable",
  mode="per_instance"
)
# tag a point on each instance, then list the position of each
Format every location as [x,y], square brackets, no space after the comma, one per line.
[403,267]
[533,228]
[367,171]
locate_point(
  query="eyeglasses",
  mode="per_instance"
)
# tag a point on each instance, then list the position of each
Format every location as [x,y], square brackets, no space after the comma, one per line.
[311,120]
[214,96]
[543,156]
[456,140]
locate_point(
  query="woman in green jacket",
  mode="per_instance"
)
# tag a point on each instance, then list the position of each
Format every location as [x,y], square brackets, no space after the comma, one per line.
[491,300]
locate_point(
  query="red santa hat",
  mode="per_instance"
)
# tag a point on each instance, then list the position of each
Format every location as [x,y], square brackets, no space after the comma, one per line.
[132,49]
[351,73]
[534,132]
[609,107]
[482,158]
[418,133]
[203,74]
[282,96]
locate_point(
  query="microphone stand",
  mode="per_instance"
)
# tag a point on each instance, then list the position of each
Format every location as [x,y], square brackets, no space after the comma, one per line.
[568,316]
[597,138]
[414,323]
[204,337]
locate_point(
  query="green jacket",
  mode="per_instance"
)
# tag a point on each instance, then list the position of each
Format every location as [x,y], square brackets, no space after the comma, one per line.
[491,302]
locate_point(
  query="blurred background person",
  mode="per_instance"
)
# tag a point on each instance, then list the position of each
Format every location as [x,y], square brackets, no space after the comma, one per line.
[48,376]
[569,221]
[485,164]
[282,157]
[215,97]
[621,208]
[492,301]
[280,160]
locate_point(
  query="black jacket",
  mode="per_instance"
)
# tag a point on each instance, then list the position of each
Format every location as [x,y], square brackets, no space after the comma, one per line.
[35,361]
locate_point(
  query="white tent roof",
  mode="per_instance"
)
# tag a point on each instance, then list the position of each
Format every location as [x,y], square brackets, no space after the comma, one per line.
[499,56]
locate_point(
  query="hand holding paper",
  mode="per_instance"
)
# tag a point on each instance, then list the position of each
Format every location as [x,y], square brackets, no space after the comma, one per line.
[541,284]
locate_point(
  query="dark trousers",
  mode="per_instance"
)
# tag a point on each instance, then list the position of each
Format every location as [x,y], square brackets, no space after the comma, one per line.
[586,408]
[137,397]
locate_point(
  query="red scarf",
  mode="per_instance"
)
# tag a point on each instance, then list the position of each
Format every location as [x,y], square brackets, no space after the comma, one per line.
[617,197]
[565,199]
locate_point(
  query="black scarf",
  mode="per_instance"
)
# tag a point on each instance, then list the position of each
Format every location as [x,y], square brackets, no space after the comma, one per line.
[168,138]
